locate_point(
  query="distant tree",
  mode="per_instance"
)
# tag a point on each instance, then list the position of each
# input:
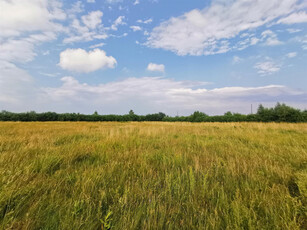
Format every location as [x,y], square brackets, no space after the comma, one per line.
[155,117]
[265,114]
[198,116]
[280,113]
[131,113]
[284,113]
[132,116]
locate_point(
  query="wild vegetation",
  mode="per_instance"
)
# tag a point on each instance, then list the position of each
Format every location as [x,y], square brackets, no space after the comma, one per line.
[153,175]
[280,113]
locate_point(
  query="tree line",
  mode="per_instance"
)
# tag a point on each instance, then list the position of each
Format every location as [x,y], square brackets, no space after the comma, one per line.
[279,113]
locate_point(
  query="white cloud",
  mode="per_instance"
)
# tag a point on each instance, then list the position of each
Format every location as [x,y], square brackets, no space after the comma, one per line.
[270,38]
[267,68]
[89,36]
[291,55]
[156,67]
[16,86]
[136,28]
[302,40]
[144,95]
[153,94]
[211,30]
[148,21]
[90,29]
[113,1]
[79,60]
[93,19]
[41,37]
[299,17]
[292,31]
[236,60]
[97,45]
[91,1]
[119,36]
[248,40]
[49,74]
[17,51]
[23,50]
[76,8]
[78,28]
[18,16]
[136,2]
[117,22]
[24,24]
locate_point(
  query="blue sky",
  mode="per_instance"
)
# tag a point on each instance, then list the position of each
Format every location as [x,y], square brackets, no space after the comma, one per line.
[173,56]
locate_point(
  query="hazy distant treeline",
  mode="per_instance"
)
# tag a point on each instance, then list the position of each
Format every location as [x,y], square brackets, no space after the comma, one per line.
[280,113]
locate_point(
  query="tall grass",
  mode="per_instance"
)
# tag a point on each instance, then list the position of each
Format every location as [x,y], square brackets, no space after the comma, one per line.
[153,176]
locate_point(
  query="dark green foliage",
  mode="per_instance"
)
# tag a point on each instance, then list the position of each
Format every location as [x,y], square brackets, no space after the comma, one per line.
[198,117]
[280,113]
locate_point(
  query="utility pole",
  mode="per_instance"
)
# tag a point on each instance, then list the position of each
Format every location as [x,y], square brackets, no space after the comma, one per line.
[251,108]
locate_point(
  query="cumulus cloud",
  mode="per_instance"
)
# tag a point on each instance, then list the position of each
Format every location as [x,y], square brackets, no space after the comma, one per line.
[270,38]
[90,27]
[93,19]
[80,60]
[155,67]
[267,68]
[211,30]
[76,8]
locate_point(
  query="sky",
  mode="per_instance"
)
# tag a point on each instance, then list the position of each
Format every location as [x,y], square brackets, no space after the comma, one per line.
[171,56]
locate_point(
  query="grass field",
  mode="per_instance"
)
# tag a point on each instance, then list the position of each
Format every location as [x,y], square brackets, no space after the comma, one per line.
[153,176]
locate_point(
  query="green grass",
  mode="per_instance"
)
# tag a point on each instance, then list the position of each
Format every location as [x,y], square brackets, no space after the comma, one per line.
[153,176]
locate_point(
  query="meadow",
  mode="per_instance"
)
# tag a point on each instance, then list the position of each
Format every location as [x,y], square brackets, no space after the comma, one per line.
[153,175]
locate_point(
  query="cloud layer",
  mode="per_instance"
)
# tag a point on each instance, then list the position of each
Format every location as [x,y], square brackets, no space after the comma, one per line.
[153,94]
[17,16]
[144,95]
[212,30]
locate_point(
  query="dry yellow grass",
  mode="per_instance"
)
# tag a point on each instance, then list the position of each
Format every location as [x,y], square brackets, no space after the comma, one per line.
[153,175]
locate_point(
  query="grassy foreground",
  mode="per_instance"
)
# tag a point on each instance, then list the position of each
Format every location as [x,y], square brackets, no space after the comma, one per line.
[153,176]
